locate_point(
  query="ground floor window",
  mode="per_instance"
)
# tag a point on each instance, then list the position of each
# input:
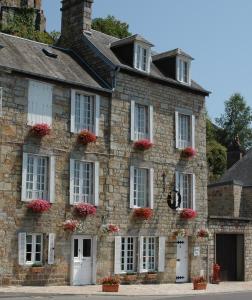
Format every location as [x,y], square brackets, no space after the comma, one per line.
[149,253]
[128,254]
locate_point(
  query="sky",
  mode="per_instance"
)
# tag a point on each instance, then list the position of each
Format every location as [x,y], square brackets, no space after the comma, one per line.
[216,33]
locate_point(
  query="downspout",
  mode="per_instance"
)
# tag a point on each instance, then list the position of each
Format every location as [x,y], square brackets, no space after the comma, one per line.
[114,74]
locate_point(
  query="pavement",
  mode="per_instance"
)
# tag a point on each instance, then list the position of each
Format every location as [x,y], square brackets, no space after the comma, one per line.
[131,290]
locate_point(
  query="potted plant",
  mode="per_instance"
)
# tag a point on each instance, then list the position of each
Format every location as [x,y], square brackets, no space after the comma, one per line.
[110,228]
[188,152]
[199,283]
[37,268]
[130,277]
[143,213]
[85,137]
[188,213]
[110,284]
[41,129]
[142,145]
[179,233]
[39,206]
[216,274]
[85,209]
[203,234]
[70,225]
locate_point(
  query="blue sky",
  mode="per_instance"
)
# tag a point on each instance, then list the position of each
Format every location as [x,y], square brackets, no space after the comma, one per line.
[216,33]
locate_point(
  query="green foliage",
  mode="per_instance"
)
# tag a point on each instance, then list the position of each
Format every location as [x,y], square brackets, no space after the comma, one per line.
[236,121]
[111,26]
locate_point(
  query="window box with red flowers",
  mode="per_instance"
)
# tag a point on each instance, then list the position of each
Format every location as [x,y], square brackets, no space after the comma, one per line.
[110,284]
[39,206]
[143,213]
[142,145]
[41,129]
[188,214]
[70,225]
[86,137]
[85,209]
[188,153]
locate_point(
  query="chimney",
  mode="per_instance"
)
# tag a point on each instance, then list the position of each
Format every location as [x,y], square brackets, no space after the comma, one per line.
[76,18]
[234,152]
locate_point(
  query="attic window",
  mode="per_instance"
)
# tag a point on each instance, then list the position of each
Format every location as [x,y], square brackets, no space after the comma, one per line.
[49,53]
[183,70]
[142,57]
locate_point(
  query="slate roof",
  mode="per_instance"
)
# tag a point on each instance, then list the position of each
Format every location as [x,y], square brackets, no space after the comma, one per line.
[102,42]
[28,57]
[130,39]
[171,53]
[241,171]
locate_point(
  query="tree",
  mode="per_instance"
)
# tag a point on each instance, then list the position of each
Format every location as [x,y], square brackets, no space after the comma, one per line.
[236,121]
[111,26]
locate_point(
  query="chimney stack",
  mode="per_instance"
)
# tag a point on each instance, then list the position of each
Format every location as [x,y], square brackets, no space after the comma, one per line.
[76,18]
[234,152]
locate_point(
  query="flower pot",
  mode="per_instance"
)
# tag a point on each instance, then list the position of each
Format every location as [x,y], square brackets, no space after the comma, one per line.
[37,269]
[199,285]
[111,288]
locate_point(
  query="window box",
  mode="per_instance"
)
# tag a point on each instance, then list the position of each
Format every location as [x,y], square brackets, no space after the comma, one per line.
[41,130]
[130,278]
[188,153]
[39,206]
[151,276]
[85,209]
[143,213]
[85,137]
[142,145]
[37,269]
[188,214]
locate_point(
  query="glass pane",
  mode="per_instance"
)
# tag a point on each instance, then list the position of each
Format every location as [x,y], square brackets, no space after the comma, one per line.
[76,248]
[86,248]
[37,257]
[28,256]
[28,247]
[28,239]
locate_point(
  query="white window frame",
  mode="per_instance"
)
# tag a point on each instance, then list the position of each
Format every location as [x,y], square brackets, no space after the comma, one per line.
[1,101]
[33,251]
[147,241]
[125,254]
[139,61]
[179,187]
[181,72]
[134,203]
[94,127]
[179,143]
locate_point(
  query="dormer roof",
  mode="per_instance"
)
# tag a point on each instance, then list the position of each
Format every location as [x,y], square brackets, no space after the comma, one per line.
[171,53]
[131,39]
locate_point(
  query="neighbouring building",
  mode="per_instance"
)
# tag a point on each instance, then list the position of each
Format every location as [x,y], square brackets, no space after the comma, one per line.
[123,93]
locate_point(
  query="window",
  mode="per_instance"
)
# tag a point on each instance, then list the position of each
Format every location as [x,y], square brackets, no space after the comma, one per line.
[149,253]
[85,112]
[33,249]
[39,103]
[84,182]
[185,128]
[183,70]
[142,58]
[128,254]
[185,185]
[38,177]
[141,121]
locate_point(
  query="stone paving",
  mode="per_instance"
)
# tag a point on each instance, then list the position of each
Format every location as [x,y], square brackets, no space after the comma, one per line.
[132,290]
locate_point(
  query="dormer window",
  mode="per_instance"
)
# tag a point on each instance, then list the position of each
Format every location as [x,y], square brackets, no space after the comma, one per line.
[141,58]
[183,70]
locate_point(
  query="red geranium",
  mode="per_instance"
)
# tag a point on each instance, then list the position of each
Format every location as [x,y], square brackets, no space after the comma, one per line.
[39,205]
[189,152]
[143,213]
[85,137]
[188,213]
[70,225]
[84,209]
[41,130]
[144,144]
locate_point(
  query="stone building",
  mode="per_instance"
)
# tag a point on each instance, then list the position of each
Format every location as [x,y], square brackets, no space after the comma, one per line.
[122,92]
[10,8]
[230,216]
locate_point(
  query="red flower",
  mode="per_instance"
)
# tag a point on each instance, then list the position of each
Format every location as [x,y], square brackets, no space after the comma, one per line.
[143,213]
[39,205]
[41,130]
[203,233]
[143,144]
[84,209]
[188,213]
[85,137]
[113,228]
[110,280]
[70,225]
[189,152]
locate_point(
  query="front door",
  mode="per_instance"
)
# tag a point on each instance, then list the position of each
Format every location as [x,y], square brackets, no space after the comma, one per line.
[182,260]
[82,260]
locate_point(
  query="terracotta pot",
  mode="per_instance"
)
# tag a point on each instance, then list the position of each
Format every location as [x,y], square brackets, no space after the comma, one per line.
[37,269]
[113,288]
[200,286]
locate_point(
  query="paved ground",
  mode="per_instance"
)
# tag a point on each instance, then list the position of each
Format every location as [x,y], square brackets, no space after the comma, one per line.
[132,290]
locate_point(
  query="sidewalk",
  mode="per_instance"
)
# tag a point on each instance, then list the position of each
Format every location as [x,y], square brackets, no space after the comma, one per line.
[132,290]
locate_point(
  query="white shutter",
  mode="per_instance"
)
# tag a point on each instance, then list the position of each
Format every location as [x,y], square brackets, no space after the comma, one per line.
[151,188]
[21,248]
[132,120]
[193,130]
[161,254]
[151,122]
[97,115]
[140,262]
[177,129]
[117,262]
[51,248]
[193,192]
[1,101]
[73,95]
[71,186]
[177,187]
[132,168]
[94,254]
[52,179]
[24,173]
[96,182]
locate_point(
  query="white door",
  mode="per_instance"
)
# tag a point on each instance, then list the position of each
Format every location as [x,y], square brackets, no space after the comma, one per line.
[82,260]
[182,260]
